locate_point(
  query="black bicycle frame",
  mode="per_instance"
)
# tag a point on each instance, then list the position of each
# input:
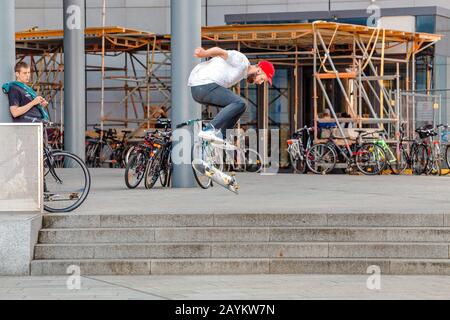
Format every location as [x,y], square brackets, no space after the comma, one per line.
[50,164]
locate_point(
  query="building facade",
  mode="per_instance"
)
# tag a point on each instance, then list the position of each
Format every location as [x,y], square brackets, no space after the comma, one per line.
[433,68]
[154,15]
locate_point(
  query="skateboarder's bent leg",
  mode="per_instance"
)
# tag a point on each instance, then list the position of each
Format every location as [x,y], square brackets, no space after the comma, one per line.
[232,105]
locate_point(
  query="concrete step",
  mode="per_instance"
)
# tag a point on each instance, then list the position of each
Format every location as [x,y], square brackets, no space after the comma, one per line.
[247,250]
[144,235]
[341,234]
[243,234]
[71,221]
[244,244]
[241,266]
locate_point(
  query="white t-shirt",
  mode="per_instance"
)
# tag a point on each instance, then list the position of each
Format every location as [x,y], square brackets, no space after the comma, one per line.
[225,73]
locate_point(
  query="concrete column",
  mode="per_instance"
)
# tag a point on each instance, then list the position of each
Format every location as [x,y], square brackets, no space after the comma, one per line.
[186,36]
[74,77]
[7,53]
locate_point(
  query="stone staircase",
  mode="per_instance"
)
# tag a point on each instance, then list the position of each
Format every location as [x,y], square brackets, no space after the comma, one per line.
[401,244]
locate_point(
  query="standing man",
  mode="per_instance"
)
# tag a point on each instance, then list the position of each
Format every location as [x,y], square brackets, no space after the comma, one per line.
[24,103]
[210,82]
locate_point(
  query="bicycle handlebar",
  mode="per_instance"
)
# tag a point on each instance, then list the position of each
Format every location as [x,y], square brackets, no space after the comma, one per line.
[305,128]
[373,133]
[35,120]
[109,132]
[188,123]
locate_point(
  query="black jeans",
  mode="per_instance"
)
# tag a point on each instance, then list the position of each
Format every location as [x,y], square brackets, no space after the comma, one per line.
[232,105]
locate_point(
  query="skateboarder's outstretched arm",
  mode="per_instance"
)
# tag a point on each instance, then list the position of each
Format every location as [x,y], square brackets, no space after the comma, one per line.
[211,53]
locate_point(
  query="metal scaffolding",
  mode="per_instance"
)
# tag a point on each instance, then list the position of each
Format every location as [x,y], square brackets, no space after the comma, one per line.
[367,67]
[138,50]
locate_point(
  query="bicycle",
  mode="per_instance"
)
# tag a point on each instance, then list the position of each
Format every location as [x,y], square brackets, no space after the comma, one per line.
[369,158]
[67,180]
[396,160]
[120,149]
[160,164]
[444,138]
[242,158]
[99,150]
[297,149]
[430,149]
[207,161]
[162,122]
[401,159]
[138,158]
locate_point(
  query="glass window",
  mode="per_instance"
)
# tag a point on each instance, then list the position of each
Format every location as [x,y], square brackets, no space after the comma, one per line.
[250,93]
[426,24]
[442,75]
[279,111]
[357,21]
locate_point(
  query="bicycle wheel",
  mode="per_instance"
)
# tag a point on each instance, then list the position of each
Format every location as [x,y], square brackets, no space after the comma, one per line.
[135,171]
[106,155]
[420,159]
[166,178]
[67,182]
[91,150]
[434,168]
[321,159]
[166,171]
[205,153]
[399,163]
[117,158]
[447,156]
[299,165]
[234,160]
[435,163]
[370,159]
[127,153]
[253,161]
[153,172]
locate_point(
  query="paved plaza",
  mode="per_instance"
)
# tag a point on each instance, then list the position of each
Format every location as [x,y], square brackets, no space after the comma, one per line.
[267,287]
[281,193]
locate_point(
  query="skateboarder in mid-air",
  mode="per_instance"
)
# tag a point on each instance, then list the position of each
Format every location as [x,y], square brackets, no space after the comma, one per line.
[210,82]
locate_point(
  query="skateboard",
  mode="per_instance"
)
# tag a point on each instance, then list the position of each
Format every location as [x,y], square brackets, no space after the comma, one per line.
[227,181]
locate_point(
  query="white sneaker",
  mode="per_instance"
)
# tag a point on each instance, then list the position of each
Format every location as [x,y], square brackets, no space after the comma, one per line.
[211,136]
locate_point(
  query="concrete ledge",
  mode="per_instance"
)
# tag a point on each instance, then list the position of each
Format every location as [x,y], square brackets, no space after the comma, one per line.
[92,267]
[19,235]
[173,220]
[422,267]
[242,266]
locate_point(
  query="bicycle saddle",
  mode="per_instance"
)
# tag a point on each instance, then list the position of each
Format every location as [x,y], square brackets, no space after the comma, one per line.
[91,140]
[163,121]
[425,128]
[162,142]
[166,134]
